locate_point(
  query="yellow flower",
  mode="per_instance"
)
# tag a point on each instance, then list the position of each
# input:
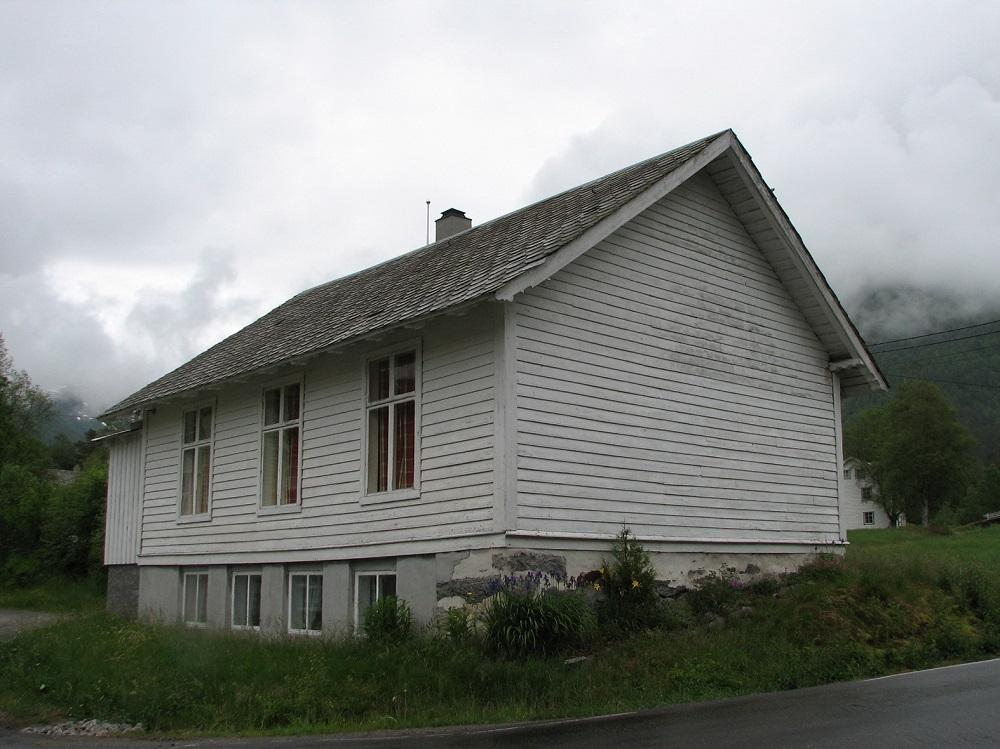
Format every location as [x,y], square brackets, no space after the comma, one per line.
[597,587]
[635,584]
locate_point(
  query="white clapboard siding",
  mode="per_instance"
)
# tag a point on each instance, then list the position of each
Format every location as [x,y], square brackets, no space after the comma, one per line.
[456,456]
[123,511]
[666,380]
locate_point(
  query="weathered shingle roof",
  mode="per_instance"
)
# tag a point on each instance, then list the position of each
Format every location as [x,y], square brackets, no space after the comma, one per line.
[441,275]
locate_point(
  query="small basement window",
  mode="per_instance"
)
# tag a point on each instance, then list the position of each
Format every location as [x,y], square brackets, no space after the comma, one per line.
[305,603]
[196,599]
[868,518]
[370,587]
[246,601]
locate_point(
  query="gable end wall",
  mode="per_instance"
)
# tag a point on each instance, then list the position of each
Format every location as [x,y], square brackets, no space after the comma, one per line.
[666,380]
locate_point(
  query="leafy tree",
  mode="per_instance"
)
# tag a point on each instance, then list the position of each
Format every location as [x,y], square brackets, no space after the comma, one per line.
[915,449]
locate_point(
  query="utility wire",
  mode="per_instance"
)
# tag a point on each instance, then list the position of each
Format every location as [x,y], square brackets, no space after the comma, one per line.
[940,332]
[943,382]
[935,343]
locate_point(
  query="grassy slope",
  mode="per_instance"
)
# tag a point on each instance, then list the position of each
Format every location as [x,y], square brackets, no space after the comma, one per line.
[902,600]
[58,596]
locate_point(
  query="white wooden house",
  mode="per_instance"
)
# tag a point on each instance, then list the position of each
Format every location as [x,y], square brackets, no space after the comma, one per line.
[858,499]
[655,348]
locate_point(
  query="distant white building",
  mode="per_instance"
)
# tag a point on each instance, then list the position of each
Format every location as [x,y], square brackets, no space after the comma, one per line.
[857,499]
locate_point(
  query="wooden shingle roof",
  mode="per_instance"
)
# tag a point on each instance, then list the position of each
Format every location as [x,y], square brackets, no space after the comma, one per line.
[454,271]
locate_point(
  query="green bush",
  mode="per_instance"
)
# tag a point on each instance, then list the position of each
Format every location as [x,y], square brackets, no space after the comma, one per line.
[388,620]
[717,593]
[518,624]
[628,585]
[457,625]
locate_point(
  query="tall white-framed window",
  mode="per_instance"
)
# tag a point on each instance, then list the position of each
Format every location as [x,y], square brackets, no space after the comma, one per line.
[391,425]
[868,518]
[281,441]
[370,587]
[197,426]
[195,598]
[305,603]
[246,600]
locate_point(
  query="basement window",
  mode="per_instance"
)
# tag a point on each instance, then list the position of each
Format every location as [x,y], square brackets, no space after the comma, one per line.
[391,425]
[246,601]
[370,587]
[196,461]
[305,603]
[196,599]
[868,518]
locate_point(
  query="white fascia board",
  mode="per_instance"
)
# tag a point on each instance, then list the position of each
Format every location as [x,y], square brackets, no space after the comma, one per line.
[603,228]
[803,259]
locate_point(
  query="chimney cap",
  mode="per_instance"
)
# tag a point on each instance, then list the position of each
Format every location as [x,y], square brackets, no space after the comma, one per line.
[452,212]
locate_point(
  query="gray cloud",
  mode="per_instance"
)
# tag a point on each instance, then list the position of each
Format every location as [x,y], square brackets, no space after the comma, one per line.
[306,137]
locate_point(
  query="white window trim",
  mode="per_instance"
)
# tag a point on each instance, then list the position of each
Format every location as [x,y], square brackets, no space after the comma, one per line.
[201,517]
[232,597]
[357,589]
[396,495]
[184,578]
[866,514]
[279,509]
[306,573]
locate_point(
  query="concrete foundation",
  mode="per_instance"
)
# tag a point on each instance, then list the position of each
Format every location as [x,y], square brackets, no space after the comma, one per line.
[428,583]
[123,590]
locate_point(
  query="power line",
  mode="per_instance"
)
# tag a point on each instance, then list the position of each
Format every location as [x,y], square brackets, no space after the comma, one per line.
[940,332]
[936,343]
[943,382]
[952,355]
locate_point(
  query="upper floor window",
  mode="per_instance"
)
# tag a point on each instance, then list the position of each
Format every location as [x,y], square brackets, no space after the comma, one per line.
[847,474]
[196,460]
[866,492]
[280,445]
[391,423]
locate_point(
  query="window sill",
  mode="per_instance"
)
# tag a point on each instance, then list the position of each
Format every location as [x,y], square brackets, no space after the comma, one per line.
[279,509]
[306,632]
[205,517]
[401,495]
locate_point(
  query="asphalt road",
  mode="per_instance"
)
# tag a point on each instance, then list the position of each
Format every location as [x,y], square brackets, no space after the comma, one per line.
[955,706]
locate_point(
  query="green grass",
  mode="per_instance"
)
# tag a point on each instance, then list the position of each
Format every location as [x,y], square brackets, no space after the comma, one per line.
[900,601]
[57,595]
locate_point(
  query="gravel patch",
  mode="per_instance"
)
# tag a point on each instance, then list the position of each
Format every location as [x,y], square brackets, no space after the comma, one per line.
[92,727]
[13,621]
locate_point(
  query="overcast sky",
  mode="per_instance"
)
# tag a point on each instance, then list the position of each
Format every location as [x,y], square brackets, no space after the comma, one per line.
[172,170]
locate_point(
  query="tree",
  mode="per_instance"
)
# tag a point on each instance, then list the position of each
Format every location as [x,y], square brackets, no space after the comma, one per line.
[915,449]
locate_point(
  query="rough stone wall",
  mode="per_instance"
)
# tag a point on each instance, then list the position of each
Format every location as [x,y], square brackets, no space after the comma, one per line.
[123,590]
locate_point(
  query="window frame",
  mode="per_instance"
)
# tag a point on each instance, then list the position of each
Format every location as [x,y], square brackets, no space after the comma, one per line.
[194,573]
[847,474]
[232,599]
[392,495]
[280,427]
[183,447]
[377,574]
[306,573]
[867,493]
[865,517]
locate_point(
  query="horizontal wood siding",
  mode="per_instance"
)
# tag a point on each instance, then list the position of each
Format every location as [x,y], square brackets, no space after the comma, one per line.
[456,456]
[666,380]
[122,514]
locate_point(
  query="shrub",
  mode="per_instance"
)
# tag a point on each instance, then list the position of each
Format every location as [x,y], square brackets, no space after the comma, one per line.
[388,620]
[457,625]
[628,583]
[518,624]
[717,592]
